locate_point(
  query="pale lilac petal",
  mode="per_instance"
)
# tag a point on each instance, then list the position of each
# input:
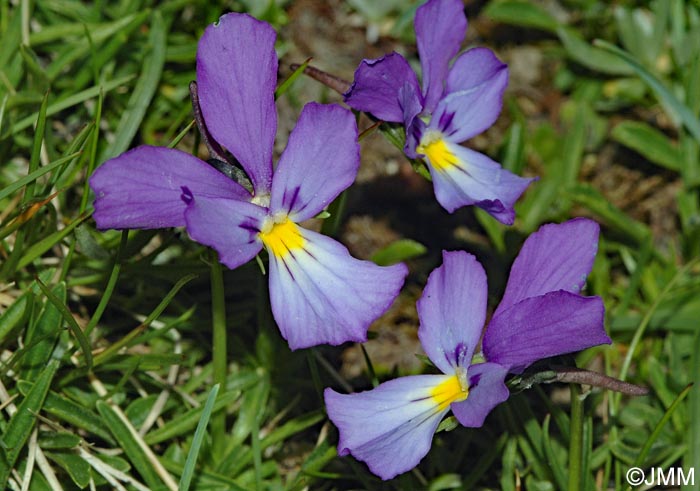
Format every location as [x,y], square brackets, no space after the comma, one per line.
[556,257]
[230,227]
[377,84]
[472,69]
[440,28]
[141,188]
[237,75]
[475,179]
[390,427]
[539,327]
[466,113]
[320,161]
[452,311]
[322,295]
[487,390]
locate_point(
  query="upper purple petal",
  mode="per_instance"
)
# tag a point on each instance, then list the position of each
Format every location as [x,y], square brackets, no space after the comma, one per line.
[320,161]
[539,327]
[466,113]
[440,28]
[390,427]
[452,311]
[229,226]
[556,257]
[472,69]
[236,75]
[475,179]
[377,84]
[487,390]
[322,295]
[141,188]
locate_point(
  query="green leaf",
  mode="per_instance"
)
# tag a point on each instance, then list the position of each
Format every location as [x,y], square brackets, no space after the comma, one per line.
[57,439]
[72,324]
[70,101]
[188,420]
[33,176]
[589,56]
[284,86]
[199,434]
[143,92]
[43,335]
[590,198]
[398,251]
[15,314]
[75,466]
[681,111]
[72,413]
[649,142]
[521,13]
[21,424]
[132,444]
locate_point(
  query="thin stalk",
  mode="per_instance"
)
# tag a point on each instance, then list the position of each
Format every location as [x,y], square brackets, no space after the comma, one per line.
[111,283]
[218,317]
[576,440]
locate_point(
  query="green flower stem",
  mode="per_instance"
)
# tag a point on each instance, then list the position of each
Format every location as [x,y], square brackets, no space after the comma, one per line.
[576,439]
[218,316]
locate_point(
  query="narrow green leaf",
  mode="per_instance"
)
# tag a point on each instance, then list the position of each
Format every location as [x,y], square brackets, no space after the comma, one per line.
[132,444]
[199,434]
[644,452]
[21,424]
[552,459]
[43,335]
[649,142]
[72,324]
[590,56]
[38,249]
[521,13]
[284,86]
[188,420]
[33,176]
[588,197]
[143,92]
[253,404]
[15,314]
[72,413]
[77,468]
[70,101]
[59,440]
[397,251]
[683,112]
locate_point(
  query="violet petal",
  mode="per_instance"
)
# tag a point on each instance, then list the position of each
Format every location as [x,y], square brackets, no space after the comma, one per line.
[141,188]
[236,76]
[452,311]
[320,161]
[440,28]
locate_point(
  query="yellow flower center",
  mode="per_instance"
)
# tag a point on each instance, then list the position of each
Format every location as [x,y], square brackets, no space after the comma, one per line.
[454,389]
[435,149]
[281,236]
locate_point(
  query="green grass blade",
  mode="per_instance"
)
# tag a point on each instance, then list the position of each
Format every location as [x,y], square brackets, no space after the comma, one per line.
[70,101]
[691,122]
[72,324]
[39,248]
[132,444]
[199,434]
[15,314]
[22,422]
[33,176]
[692,457]
[649,142]
[144,90]
[284,86]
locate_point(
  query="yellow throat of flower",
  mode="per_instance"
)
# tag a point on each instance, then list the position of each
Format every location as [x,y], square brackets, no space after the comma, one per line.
[281,236]
[435,149]
[454,389]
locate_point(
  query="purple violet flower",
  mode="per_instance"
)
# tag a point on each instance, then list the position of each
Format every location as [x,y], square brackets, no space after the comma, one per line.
[542,314]
[319,293]
[455,105]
